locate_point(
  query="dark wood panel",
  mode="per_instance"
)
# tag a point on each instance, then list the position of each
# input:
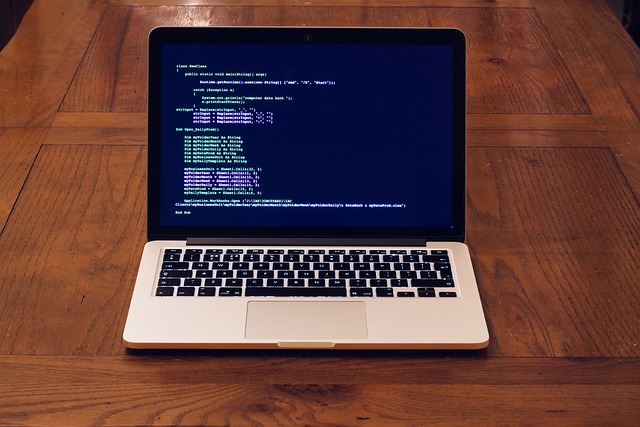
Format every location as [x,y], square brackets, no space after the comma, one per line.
[71,249]
[547,258]
[289,389]
[513,65]
[19,148]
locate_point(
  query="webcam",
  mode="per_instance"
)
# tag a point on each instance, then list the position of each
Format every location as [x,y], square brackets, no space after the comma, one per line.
[307,37]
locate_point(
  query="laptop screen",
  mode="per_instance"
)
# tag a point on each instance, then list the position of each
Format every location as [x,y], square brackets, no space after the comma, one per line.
[339,131]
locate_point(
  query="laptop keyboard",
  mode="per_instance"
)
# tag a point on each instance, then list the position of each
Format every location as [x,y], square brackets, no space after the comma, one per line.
[358,273]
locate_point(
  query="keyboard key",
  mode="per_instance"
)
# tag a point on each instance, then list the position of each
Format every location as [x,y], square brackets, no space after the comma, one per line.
[296,292]
[361,292]
[207,292]
[427,292]
[186,292]
[447,294]
[231,292]
[406,294]
[164,291]
[384,292]
[428,283]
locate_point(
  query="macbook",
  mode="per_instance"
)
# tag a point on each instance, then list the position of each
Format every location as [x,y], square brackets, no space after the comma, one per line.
[306,189]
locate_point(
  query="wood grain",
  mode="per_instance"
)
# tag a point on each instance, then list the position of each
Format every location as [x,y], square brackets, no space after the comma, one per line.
[71,249]
[19,148]
[37,66]
[263,388]
[546,259]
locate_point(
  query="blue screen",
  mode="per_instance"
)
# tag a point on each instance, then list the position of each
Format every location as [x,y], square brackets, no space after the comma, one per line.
[271,135]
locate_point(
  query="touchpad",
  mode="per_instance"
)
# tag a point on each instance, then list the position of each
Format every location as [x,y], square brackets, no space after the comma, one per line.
[306,320]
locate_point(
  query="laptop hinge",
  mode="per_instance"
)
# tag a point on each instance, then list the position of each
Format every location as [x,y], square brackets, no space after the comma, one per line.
[304,241]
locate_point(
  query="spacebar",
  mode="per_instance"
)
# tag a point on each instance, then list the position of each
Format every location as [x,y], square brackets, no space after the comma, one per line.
[295,292]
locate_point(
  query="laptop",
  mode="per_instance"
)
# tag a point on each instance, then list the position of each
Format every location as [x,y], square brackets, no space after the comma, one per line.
[306,189]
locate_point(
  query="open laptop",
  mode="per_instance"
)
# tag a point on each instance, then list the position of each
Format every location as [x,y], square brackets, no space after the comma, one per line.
[306,190]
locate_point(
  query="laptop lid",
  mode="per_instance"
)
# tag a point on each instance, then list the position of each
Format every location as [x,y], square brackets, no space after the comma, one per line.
[306,132]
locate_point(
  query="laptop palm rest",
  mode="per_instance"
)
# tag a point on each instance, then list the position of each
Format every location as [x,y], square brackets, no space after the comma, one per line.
[296,323]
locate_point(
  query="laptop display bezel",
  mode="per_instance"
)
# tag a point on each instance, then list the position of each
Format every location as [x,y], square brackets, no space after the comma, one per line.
[436,36]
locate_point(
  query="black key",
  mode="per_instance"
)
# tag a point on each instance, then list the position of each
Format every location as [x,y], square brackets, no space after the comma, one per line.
[164,291]
[186,292]
[204,273]
[169,282]
[301,266]
[255,282]
[195,257]
[255,251]
[342,266]
[406,294]
[337,251]
[408,275]
[377,251]
[439,252]
[320,283]
[426,292]
[382,266]
[296,251]
[316,251]
[296,282]
[378,283]
[271,258]
[360,292]
[213,251]
[311,258]
[371,258]
[286,274]
[234,282]
[435,258]
[339,283]
[172,257]
[366,274]
[358,283]
[211,257]
[261,266]
[175,273]
[391,258]
[331,258]
[447,294]
[275,282]
[220,266]
[296,292]
[387,274]
[384,292]
[422,266]
[321,266]
[322,274]
[235,251]
[176,266]
[213,282]
[244,274]
[199,266]
[357,251]
[347,274]
[419,252]
[275,251]
[306,274]
[428,283]
[402,266]
[224,273]
[411,258]
[265,274]
[231,292]
[291,258]
[192,282]
[207,292]
[173,251]
[428,274]
[399,283]
[252,258]
[281,266]
[231,257]
[351,258]
[361,266]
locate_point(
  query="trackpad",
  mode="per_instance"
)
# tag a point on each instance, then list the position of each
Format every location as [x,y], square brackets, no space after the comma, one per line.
[306,320]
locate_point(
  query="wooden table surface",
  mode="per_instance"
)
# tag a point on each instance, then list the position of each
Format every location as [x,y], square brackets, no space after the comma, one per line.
[553,227]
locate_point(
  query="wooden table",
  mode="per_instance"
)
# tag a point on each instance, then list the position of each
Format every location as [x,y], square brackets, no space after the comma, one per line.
[553,226]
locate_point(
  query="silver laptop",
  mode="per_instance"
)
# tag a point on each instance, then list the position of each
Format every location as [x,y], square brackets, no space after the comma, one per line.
[306,190]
